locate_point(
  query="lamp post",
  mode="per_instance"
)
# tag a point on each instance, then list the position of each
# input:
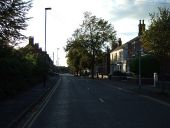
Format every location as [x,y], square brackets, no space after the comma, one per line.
[45,44]
[53,57]
[57,57]
[46,25]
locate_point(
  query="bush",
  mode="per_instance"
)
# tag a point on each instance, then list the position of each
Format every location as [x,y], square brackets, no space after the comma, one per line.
[19,71]
[13,76]
[149,65]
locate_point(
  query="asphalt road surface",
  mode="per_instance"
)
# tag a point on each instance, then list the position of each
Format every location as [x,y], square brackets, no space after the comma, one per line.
[85,103]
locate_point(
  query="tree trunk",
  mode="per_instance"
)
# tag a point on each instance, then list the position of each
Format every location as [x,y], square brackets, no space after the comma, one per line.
[92,65]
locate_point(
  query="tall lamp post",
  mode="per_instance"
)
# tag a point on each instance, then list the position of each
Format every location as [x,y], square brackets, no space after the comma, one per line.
[45,43]
[57,57]
[46,25]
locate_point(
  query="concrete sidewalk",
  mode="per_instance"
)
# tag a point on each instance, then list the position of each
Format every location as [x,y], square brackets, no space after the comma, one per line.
[13,109]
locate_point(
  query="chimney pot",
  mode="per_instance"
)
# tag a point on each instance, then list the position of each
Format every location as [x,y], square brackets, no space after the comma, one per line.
[31,40]
[119,41]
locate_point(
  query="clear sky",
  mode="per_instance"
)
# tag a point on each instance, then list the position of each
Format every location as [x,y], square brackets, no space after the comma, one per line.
[67,15]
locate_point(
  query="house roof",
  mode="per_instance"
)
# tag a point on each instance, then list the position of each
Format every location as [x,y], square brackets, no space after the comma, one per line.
[123,46]
[134,39]
[120,47]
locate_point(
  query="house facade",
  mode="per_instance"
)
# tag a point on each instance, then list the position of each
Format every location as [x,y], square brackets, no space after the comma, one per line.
[118,58]
[121,56]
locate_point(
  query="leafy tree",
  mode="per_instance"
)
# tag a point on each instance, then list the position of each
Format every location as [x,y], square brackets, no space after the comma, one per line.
[93,37]
[74,60]
[13,20]
[76,52]
[98,32]
[156,39]
[36,58]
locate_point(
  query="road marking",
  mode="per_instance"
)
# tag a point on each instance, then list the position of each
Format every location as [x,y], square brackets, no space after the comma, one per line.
[32,119]
[101,100]
[148,97]
[144,96]
[156,100]
[124,90]
[119,88]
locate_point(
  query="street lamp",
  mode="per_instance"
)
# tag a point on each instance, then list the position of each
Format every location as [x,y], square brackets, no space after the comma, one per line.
[45,24]
[45,44]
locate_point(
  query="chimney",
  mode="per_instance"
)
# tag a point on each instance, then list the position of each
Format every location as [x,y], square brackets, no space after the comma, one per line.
[143,26]
[31,40]
[119,42]
[140,28]
[37,46]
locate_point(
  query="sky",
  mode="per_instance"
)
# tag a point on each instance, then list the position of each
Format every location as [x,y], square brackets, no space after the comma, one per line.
[67,15]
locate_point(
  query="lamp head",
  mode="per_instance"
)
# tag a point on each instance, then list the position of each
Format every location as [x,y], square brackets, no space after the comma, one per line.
[48,8]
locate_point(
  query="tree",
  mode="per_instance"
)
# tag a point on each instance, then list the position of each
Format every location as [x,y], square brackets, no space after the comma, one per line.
[93,36]
[77,53]
[156,39]
[13,20]
[98,32]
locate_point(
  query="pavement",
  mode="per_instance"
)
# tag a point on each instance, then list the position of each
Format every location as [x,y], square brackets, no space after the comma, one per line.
[12,110]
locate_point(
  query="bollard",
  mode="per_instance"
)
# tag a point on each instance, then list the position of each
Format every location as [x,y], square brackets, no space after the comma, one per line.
[155,78]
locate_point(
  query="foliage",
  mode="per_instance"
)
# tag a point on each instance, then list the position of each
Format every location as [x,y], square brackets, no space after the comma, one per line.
[156,39]
[149,65]
[13,20]
[13,72]
[20,69]
[86,46]
[23,67]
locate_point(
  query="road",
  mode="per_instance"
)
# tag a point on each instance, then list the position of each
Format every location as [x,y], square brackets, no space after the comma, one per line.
[85,103]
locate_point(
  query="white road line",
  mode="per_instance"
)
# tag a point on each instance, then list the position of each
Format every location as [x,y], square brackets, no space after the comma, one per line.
[101,100]
[119,88]
[156,100]
[124,90]
[30,122]
[148,97]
